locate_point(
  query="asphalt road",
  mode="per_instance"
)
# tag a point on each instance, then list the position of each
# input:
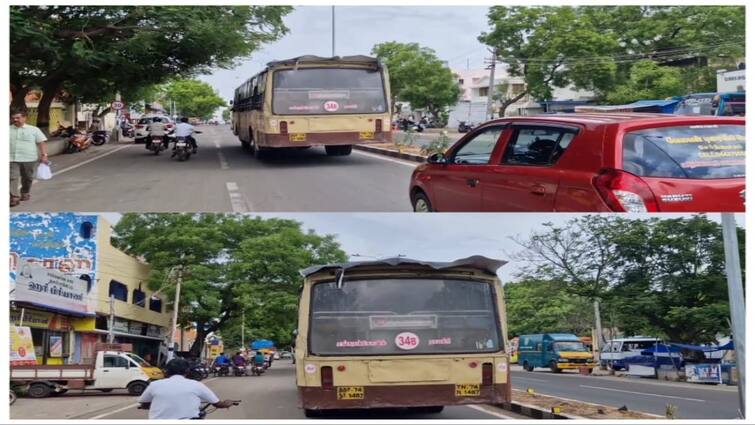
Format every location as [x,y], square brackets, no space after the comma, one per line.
[693,401]
[270,396]
[222,177]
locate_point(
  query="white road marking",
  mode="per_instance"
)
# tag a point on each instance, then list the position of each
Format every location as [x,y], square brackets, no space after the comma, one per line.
[238,203]
[491,413]
[223,161]
[130,406]
[645,394]
[217,143]
[386,158]
[77,165]
[530,379]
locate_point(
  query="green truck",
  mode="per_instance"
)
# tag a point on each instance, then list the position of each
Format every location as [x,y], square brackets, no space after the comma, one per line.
[556,351]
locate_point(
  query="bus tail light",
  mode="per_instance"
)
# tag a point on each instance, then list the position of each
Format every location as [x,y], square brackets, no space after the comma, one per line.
[326,377]
[487,374]
[378,125]
[284,127]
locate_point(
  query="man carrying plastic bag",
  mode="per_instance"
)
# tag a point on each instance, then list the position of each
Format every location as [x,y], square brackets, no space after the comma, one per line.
[27,150]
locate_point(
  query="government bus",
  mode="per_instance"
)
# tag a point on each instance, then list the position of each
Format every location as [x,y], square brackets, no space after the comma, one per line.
[402,333]
[314,101]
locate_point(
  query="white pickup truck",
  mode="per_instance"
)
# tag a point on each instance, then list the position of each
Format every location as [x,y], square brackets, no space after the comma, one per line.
[114,368]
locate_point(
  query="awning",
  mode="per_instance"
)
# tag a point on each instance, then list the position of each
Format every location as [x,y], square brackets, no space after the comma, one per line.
[705,348]
[478,262]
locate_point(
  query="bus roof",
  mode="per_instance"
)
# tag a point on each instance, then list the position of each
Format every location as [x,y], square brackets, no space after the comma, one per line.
[478,262]
[309,59]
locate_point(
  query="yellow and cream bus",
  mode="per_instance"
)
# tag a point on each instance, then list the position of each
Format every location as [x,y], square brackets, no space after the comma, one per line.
[313,101]
[402,333]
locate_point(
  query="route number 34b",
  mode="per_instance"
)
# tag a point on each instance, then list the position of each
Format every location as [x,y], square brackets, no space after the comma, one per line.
[407,341]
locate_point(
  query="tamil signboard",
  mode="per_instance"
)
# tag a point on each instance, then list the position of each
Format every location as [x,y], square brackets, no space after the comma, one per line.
[51,289]
[704,373]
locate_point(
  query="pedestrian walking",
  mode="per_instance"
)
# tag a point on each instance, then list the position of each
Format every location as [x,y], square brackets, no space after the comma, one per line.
[27,150]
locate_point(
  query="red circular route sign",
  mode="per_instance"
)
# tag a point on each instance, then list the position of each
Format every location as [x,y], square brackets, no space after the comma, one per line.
[407,341]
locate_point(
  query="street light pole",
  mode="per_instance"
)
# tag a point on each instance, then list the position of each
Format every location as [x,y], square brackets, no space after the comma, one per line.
[243,323]
[333,30]
[736,301]
[174,322]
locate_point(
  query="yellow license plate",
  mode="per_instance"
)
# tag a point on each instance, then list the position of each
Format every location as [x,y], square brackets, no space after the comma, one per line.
[467,390]
[297,137]
[366,135]
[351,393]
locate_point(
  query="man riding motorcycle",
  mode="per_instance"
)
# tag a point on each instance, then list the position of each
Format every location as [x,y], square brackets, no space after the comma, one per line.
[184,129]
[157,128]
[177,397]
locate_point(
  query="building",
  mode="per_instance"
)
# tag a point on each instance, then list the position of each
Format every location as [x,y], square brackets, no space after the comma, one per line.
[731,81]
[78,246]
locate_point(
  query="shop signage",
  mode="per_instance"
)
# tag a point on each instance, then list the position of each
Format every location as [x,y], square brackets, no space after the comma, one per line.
[120,325]
[40,286]
[707,373]
[21,346]
[135,328]
[154,331]
[40,319]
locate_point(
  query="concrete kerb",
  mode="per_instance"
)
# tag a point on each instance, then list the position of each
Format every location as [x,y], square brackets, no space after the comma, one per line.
[387,152]
[534,412]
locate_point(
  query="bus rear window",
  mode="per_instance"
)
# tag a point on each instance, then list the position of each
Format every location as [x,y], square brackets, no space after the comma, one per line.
[403,316]
[328,91]
[691,152]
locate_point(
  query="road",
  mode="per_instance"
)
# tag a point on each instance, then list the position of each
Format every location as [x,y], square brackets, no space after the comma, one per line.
[222,177]
[270,396]
[692,400]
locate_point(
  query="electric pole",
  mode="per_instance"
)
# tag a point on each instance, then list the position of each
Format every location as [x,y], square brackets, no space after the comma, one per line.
[174,322]
[598,326]
[736,301]
[111,320]
[243,323]
[491,85]
[333,30]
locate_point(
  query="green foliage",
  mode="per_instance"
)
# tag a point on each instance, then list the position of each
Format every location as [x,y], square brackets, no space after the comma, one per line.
[417,76]
[534,306]
[231,264]
[406,139]
[659,276]
[193,98]
[648,80]
[595,47]
[438,145]
[226,114]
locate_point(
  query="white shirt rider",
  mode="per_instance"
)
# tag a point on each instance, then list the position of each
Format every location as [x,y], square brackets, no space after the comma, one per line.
[184,129]
[176,398]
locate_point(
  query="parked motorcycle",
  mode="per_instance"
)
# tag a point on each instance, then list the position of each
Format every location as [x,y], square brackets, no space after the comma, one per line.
[407,124]
[198,372]
[63,131]
[464,127]
[182,148]
[78,142]
[99,137]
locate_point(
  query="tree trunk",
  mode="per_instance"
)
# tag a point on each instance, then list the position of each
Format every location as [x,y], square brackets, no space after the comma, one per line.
[18,103]
[198,344]
[506,104]
[49,90]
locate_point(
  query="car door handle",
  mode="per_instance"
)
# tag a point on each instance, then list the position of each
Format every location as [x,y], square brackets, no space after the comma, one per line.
[472,182]
[538,190]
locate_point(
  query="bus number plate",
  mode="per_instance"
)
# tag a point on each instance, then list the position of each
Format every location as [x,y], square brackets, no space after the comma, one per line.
[366,135]
[467,390]
[351,393]
[297,137]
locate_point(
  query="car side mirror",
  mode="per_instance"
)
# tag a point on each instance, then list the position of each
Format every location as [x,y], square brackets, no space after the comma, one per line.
[437,158]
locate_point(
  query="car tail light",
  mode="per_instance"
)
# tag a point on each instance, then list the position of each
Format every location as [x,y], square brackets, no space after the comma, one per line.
[625,192]
[326,377]
[378,125]
[140,126]
[284,127]
[487,374]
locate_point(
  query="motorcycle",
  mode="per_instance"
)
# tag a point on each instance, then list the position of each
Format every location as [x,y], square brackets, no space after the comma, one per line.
[182,148]
[198,372]
[64,131]
[409,125]
[156,144]
[222,370]
[239,370]
[258,369]
[78,142]
[99,137]
[464,127]
[203,411]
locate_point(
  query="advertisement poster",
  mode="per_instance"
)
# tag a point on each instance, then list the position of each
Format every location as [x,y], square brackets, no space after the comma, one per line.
[22,347]
[703,373]
[56,346]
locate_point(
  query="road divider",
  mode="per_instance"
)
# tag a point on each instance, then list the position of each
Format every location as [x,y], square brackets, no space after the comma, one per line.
[395,154]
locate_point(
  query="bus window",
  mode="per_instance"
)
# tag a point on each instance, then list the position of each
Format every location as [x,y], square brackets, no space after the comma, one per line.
[436,315]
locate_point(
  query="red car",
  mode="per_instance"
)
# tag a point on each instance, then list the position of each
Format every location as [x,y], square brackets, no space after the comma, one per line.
[628,162]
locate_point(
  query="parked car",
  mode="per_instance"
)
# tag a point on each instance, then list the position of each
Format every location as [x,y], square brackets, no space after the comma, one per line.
[589,162]
[141,133]
[285,355]
[615,351]
[555,351]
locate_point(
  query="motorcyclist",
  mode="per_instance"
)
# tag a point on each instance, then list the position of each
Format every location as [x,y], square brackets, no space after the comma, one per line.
[222,360]
[157,128]
[184,129]
[177,397]
[239,361]
[259,359]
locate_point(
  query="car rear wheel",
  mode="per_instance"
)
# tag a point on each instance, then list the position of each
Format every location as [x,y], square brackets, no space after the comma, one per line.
[420,203]
[137,388]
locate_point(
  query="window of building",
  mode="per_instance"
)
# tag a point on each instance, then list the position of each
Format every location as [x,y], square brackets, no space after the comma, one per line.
[483,91]
[137,297]
[85,230]
[88,279]
[118,290]
[461,81]
[156,304]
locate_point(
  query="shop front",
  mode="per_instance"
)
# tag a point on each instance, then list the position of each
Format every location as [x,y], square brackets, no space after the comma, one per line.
[51,333]
[144,338]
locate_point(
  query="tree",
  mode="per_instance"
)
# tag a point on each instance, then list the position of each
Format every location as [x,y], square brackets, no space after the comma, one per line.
[96,51]
[231,264]
[534,306]
[226,114]
[648,80]
[417,76]
[193,98]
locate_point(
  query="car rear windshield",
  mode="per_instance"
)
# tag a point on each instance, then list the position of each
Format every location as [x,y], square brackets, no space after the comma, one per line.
[692,152]
[328,91]
[403,316]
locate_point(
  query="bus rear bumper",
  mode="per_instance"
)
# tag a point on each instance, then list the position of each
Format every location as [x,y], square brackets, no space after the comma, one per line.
[324,139]
[392,396]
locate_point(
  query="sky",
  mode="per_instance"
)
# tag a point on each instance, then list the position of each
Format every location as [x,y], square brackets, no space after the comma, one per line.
[433,237]
[451,31]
